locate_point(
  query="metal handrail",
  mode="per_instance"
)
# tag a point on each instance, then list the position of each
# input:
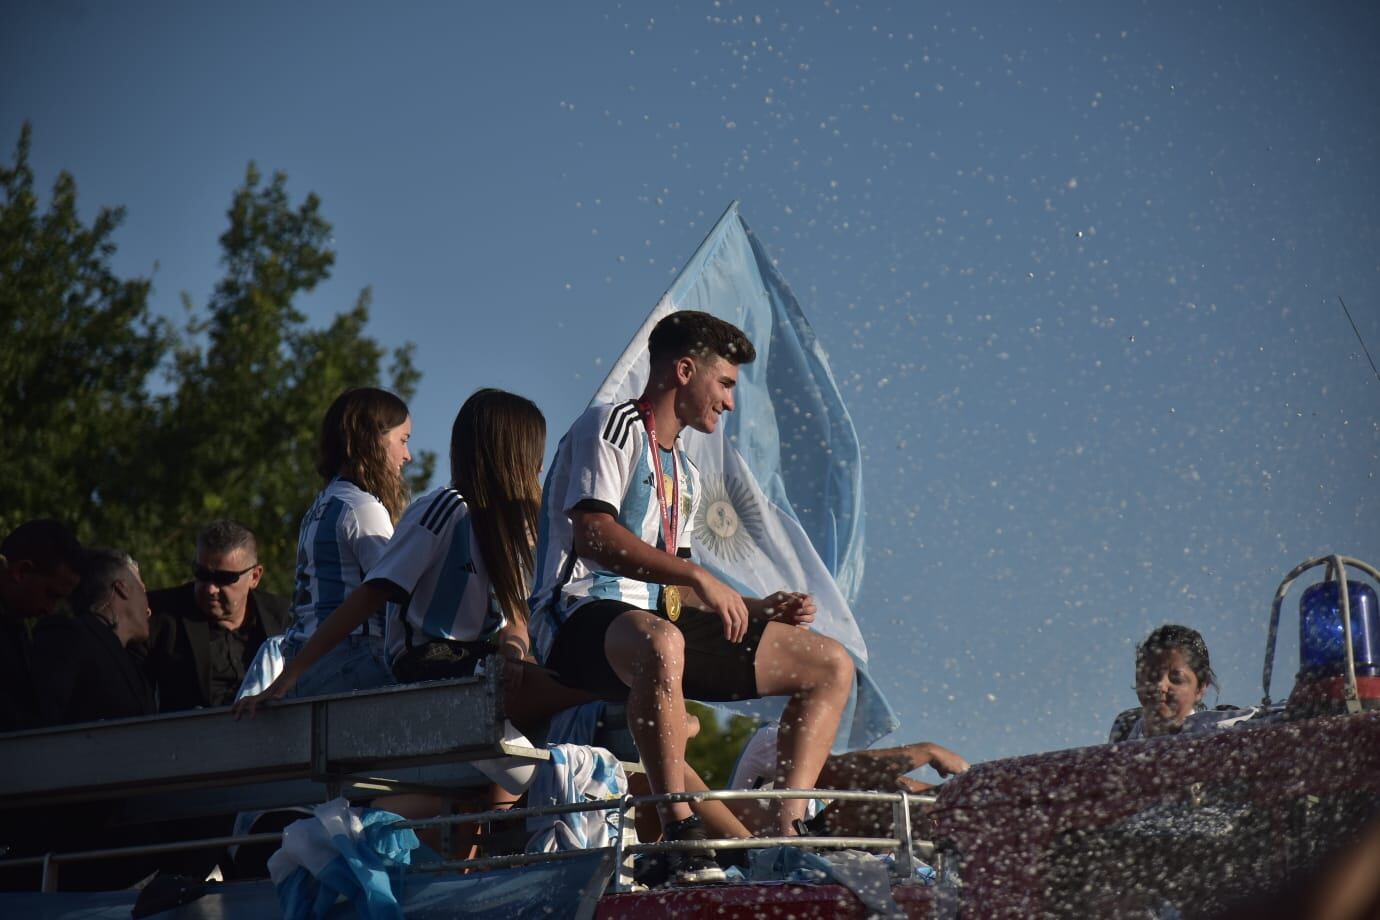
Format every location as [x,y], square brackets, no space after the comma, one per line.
[625,805]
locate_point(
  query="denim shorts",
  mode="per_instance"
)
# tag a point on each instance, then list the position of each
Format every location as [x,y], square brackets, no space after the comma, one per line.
[358,663]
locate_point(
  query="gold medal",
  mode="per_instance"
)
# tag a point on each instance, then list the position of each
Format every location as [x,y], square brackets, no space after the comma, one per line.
[670,596]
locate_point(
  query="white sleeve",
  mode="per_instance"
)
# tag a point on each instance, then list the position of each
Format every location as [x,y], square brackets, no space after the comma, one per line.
[368,529]
[421,540]
[604,447]
[756,766]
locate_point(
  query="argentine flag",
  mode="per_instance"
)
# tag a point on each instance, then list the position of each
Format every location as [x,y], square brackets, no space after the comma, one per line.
[781,505]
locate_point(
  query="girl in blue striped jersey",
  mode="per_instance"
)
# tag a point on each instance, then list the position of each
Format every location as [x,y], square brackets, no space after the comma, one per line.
[364,445]
[459,568]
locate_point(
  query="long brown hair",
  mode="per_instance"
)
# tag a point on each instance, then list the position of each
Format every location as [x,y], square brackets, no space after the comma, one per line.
[496,451]
[352,444]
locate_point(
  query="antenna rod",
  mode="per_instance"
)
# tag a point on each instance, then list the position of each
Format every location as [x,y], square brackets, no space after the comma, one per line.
[1358,336]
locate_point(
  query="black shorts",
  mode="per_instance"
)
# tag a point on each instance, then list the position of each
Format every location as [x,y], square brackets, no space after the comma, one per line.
[716,670]
[440,659]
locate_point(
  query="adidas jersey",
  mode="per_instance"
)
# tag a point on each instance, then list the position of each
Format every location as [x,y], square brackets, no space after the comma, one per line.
[342,537]
[604,461]
[434,559]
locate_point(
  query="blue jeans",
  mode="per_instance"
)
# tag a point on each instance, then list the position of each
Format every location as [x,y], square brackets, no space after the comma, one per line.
[358,663]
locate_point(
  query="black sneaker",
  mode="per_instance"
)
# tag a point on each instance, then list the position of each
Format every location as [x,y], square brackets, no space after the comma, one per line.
[650,870]
[690,867]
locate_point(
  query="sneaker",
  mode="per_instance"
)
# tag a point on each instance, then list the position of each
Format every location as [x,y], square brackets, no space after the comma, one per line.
[650,870]
[691,867]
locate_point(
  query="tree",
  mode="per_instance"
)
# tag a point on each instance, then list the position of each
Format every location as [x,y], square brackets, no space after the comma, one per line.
[233,433]
[77,346]
[715,750]
[253,380]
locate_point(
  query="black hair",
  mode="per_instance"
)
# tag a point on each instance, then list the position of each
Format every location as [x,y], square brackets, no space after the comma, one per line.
[692,332]
[226,536]
[1171,636]
[46,543]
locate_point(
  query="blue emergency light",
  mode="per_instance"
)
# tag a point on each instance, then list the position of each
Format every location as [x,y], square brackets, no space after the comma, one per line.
[1333,677]
[1322,648]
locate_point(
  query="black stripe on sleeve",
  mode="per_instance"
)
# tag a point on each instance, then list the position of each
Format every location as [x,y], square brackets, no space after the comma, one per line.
[610,422]
[438,506]
[439,522]
[619,424]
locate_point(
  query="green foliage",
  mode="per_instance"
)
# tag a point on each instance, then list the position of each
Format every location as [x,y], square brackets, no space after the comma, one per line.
[715,750]
[234,432]
[77,345]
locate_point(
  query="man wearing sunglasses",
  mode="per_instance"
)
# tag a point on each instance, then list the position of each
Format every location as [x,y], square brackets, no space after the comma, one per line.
[207,631]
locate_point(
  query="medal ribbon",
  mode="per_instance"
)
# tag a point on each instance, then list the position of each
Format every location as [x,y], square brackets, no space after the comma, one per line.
[670,518]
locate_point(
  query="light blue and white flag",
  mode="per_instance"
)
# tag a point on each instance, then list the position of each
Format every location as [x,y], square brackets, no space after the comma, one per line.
[781,505]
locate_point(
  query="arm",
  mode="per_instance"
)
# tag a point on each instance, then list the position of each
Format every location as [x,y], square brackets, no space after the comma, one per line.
[789,607]
[601,539]
[514,643]
[362,603]
[944,761]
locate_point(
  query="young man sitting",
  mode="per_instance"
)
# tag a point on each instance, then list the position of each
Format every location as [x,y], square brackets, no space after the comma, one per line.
[620,609]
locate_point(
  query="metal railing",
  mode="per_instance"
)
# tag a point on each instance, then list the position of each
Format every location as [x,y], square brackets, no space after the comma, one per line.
[906,848]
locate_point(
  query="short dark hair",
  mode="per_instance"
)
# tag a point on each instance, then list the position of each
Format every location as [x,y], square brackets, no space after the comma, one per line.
[100,568]
[46,543]
[226,536]
[1171,636]
[692,332]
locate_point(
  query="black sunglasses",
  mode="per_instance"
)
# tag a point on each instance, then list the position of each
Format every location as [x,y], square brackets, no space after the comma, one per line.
[219,577]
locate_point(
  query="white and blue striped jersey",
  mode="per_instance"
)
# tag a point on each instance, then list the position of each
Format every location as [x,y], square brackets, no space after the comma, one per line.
[603,463]
[434,560]
[343,535]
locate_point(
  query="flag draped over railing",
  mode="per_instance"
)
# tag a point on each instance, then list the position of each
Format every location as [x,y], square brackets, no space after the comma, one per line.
[781,500]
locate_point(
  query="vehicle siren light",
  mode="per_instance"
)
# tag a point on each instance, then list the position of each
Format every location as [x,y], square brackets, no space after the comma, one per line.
[1339,640]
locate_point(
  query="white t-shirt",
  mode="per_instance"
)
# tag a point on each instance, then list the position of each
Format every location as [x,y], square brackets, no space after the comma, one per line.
[434,559]
[604,462]
[1203,720]
[756,766]
[342,537]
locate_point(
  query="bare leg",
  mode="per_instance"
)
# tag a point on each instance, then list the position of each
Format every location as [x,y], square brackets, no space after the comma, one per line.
[648,654]
[464,838]
[817,673]
[532,694]
[719,820]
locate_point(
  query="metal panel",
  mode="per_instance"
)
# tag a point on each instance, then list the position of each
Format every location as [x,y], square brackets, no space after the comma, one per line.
[444,720]
[139,753]
[376,730]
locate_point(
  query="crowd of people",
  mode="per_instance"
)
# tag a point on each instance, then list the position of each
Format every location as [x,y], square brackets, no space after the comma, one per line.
[587,586]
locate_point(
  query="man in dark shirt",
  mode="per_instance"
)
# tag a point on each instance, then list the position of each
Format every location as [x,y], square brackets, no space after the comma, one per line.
[39,570]
[206,632]
[83,668]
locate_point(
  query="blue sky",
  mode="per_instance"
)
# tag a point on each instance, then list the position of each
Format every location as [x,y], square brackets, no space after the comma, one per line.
[1076,266]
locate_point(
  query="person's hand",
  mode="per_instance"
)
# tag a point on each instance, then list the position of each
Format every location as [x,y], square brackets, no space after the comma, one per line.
[249,705]
[789,607]
[727,603]
[945,762]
